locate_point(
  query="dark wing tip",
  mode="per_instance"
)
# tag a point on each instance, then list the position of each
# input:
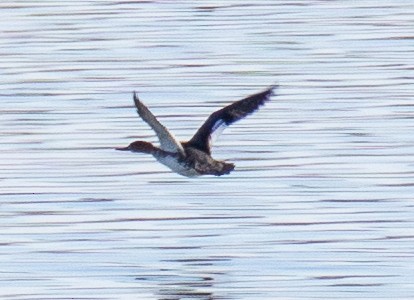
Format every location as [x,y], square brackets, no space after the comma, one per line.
[137,102]
[246,106]
[259,99]
[274,86]
[270,91]
[135,96]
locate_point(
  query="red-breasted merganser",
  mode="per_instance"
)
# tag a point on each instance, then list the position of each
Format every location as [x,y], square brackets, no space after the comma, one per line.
[193,158]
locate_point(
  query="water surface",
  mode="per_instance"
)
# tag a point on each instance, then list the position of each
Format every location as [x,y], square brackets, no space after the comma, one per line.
[319,207]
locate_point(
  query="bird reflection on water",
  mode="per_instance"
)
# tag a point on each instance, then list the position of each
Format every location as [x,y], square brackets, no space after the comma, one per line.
[194,278]
[191,288]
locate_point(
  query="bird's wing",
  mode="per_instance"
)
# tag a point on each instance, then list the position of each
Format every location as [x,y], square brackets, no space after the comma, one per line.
[226,116]
[167,140]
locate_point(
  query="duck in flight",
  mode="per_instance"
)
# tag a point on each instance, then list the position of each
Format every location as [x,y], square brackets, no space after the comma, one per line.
[193,158]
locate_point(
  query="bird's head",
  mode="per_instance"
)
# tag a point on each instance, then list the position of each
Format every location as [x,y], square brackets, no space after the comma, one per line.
[138,146]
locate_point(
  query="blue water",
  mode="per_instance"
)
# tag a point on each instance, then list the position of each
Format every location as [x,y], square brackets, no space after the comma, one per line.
[319,207]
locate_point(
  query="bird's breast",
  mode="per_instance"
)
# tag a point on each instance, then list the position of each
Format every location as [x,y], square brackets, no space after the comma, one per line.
[178,166]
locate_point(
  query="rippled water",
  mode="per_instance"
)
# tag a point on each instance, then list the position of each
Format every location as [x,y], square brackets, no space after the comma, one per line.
[320,206]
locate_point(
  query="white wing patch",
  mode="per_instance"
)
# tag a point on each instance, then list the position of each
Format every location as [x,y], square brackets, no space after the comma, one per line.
[216,131]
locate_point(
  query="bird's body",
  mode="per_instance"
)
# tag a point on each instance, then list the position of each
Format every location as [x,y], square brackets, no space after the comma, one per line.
[193,158]
[178,165]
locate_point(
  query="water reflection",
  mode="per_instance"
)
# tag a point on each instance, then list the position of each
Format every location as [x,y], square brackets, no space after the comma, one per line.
[188,288]
[198,283]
